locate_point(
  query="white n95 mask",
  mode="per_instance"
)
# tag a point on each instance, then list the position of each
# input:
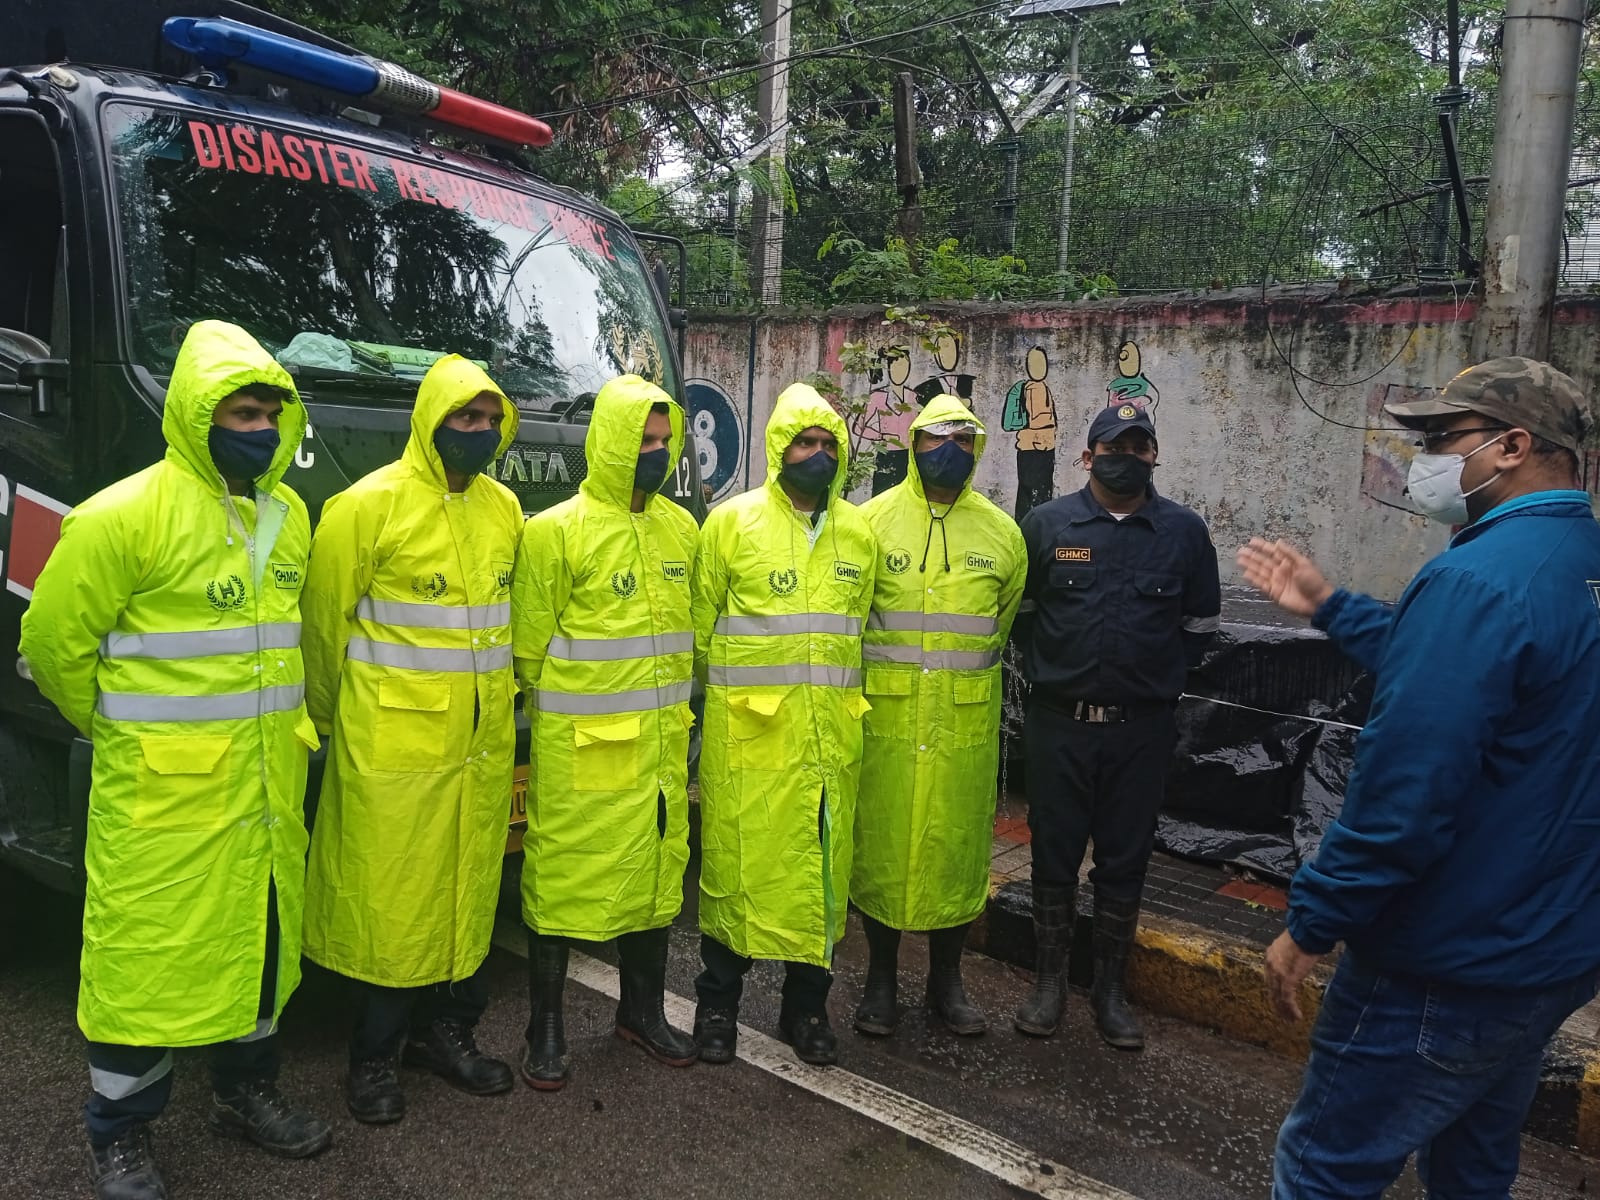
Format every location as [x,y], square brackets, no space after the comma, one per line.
[1434,485]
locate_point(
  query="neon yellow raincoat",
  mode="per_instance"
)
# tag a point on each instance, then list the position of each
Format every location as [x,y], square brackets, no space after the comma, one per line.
[605,653]
[408,665]
[925,818]
[166,627]
[778,633]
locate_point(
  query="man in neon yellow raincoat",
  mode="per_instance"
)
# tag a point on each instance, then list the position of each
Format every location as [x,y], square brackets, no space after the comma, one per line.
[408,666]
[605,653]
[166,627]
[783,584]
[951,568]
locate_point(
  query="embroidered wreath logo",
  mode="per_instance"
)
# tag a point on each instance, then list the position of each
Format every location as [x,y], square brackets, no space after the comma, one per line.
[429,587]
[898,562]
[226,593]
[783,582]
[624,584]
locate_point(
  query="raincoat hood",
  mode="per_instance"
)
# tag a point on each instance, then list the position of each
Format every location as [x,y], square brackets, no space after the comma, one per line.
[451,383]
[616,431]
[215,360]
[800,406]
[938,410]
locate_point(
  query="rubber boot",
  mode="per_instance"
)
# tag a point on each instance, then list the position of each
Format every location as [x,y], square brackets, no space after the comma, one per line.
[947,999]
[546,1065]
[1054,910]
[641,1014]
[1115,923]
[877,1013]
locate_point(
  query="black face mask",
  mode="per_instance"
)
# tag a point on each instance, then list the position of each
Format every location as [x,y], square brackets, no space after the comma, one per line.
[811,476]
[243,454]
[1121,474]
[652,470]
[947,465]
[466,453]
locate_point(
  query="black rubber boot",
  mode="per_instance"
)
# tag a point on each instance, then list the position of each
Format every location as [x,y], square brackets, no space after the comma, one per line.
[1115,924]
[372,1091]
[878,1013]
[126,1168]
[257,1112]
[716,1032]
[1054,910]
[641,1014]
[448,1049]
[546,1065]
[947,999]
[811,1036]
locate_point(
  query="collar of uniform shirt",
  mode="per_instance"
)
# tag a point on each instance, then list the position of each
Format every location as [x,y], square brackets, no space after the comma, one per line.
[1084,508]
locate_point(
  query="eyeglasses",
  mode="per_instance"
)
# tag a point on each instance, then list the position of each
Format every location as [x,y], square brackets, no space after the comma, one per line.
[1432,443]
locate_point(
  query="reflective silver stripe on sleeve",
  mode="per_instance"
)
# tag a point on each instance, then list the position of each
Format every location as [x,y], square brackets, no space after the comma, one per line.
[429,658]
[1202,624]
[433,616]
[791,673]
[620,649]
[574,704]
[114,1086]
[916,622]
[278,635]
[230,706]
[781,623]
[933,660]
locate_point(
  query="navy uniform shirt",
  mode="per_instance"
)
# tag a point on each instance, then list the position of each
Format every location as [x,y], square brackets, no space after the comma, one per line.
[1116,612]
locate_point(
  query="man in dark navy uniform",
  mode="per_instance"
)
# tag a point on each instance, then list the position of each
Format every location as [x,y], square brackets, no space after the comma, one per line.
[1122,599]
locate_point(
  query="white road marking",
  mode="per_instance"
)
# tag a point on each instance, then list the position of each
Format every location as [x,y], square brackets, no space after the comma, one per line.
[961,1139]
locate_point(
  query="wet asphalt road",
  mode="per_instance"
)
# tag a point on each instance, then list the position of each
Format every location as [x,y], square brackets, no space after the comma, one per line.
[1193,1118]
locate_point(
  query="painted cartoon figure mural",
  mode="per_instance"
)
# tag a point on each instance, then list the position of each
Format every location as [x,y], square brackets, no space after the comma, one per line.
[891,408]
[949,382]
[1030,413]
[1129,383]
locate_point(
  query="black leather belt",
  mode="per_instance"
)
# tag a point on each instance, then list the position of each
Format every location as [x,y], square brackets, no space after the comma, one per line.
[1102,714]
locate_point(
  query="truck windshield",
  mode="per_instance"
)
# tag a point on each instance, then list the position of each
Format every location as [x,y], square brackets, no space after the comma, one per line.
[351,264]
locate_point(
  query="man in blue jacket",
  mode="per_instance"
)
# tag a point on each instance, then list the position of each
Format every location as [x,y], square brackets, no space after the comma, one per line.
[1463,875]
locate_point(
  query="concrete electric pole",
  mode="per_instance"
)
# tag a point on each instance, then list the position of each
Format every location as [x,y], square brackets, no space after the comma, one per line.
[1541,44]
[772,121]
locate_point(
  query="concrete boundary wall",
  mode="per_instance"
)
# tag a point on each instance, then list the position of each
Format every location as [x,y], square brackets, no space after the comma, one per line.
[1255,446]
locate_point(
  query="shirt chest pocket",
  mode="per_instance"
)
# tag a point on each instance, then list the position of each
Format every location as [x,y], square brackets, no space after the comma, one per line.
[1072,583]
[1157,591]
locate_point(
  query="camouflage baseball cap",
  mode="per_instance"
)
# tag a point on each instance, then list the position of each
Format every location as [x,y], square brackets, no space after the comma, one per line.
[1523,392]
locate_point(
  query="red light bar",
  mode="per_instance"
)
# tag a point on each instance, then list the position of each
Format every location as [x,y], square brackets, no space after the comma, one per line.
[468,112]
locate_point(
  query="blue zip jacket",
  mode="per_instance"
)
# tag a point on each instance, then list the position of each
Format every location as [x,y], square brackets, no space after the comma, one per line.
[1468,849]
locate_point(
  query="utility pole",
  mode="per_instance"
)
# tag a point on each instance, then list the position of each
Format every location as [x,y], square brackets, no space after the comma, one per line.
[1542,43]
[907,179]
[1066,178]
[772,124]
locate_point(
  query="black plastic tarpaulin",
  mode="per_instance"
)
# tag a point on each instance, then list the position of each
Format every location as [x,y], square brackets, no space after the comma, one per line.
[1266,736]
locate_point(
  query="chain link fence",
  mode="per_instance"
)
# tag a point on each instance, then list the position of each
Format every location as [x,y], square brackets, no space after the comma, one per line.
[1222,194]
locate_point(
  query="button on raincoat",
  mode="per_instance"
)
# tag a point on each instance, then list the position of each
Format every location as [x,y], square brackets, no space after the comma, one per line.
[925,816]
[605,653]
[166,627]
[408,664]
[778,634]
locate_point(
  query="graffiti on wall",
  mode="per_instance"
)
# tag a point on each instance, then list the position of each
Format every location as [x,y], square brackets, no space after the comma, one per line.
[1129,383]
[1030,413]
[1386,449]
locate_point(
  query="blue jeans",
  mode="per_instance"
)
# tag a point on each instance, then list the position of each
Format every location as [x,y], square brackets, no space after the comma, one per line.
[1401,1065]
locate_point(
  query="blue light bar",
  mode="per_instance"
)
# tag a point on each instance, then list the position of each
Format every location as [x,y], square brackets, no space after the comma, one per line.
[220,42]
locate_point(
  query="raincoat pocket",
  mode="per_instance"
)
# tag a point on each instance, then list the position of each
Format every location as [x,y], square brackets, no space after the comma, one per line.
[306,731]
[758,733]
[409,729]
[974,723]
[605,755]
[184,782]
[890,706]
